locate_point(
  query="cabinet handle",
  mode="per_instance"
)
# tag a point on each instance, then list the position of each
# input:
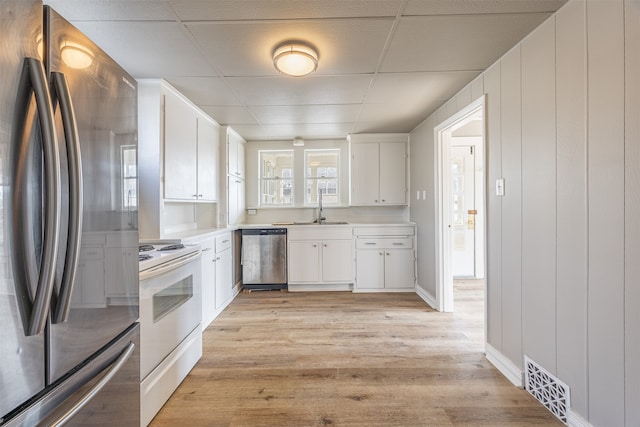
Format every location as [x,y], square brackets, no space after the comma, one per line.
[388,254]
[376,201]
[206,249]
[194,195]
[383,200]
[398,244]
[380,253]
[199,195]
[225,241]
[218,259]
[315,246]
[370,243]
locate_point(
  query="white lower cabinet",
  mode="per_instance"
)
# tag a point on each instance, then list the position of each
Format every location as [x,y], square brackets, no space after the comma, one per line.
[208,263]
[385,259]
[320,255]
[224,271]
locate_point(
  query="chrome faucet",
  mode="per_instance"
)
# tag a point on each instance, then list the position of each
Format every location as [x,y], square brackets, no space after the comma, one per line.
[320,218]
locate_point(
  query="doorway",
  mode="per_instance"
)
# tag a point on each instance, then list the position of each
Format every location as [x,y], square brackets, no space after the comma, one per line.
[460,178]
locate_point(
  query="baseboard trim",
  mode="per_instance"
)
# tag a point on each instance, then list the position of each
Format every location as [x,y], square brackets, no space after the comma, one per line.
[426,296]
[504,365]
[575,420]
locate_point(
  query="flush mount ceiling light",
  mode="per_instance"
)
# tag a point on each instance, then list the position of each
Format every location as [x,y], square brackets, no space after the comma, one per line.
[295,58]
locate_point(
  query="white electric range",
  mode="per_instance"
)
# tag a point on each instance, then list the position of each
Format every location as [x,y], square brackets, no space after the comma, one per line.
[170,316]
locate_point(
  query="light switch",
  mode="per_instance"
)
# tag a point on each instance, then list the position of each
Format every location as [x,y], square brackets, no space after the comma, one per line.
[252,211]
[418,195]
[500,187]
[424,194]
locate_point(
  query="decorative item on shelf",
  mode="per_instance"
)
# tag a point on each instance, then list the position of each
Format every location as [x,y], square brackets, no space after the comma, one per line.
[298,142]
[295,58]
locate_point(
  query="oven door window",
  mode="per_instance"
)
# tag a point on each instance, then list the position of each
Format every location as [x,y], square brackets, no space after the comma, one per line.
[172,297]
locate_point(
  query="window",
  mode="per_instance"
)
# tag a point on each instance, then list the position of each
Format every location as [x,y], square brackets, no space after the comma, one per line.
[276,178]
[321,175]
[129,176]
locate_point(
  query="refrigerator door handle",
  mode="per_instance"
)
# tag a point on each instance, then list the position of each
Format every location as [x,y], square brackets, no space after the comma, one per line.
[89,395]
[72,141]
[34,304]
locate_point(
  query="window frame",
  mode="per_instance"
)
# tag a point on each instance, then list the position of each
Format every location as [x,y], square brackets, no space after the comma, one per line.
[336,179]
[262,180]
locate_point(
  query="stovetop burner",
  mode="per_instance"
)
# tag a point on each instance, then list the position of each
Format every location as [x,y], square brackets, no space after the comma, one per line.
[144,257]
[145,248]
[171,247]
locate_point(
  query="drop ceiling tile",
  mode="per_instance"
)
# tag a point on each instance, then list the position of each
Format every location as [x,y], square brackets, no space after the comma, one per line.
[456,42]
[282,9]
[457,7]
[306,114]
[396,117]
[417,89]
[114,10]
[310,90]
[148,49]
[205,90]
[228,115]
[245,49]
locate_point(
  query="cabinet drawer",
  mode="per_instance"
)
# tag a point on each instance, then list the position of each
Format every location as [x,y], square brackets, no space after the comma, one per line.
[223,242]
[385,243]
[391,231]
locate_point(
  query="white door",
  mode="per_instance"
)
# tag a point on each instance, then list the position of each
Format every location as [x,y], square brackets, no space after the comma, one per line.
[463,213]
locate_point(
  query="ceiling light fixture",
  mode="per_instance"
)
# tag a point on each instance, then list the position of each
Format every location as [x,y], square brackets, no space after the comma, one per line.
[295,58]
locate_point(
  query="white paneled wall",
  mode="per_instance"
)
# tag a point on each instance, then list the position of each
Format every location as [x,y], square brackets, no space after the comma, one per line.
[563,244]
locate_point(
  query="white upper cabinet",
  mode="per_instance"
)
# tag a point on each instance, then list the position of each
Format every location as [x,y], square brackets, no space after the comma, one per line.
[235,155]
[234,147]
[180,145]
[191,142]
[208,149]
[378,169]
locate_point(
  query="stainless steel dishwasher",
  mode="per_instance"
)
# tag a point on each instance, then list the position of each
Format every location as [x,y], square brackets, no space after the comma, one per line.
[264,258]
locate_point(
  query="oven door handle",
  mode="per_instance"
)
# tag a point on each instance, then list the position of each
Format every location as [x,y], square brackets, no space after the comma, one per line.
[169,266]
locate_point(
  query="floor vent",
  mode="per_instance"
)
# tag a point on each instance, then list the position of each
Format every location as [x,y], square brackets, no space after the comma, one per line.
[549,390]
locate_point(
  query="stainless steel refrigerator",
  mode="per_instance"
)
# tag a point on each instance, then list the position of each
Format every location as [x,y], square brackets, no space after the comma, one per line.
[68,226]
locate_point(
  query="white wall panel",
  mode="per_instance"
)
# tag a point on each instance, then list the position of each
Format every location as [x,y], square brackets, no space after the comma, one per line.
[494,207]
[572,202]
[606,211]
[539,196]
[463,98]
[511,104]
[632,208]
[422,210]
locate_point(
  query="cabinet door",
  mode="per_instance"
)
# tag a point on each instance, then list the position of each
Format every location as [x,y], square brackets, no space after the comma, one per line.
[224,277]
[179,149]
[304,261]
[208,146]
[233,185]
[232,154]
[208,262]
[370,269]
[240,159]
[399,268]
[337,261]
[393,173]
[364,173]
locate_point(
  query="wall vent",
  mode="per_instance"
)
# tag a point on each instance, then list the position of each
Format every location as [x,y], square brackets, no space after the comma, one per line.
[549,390]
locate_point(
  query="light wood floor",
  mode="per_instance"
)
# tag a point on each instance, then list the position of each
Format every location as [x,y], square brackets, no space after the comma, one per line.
[343,359]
